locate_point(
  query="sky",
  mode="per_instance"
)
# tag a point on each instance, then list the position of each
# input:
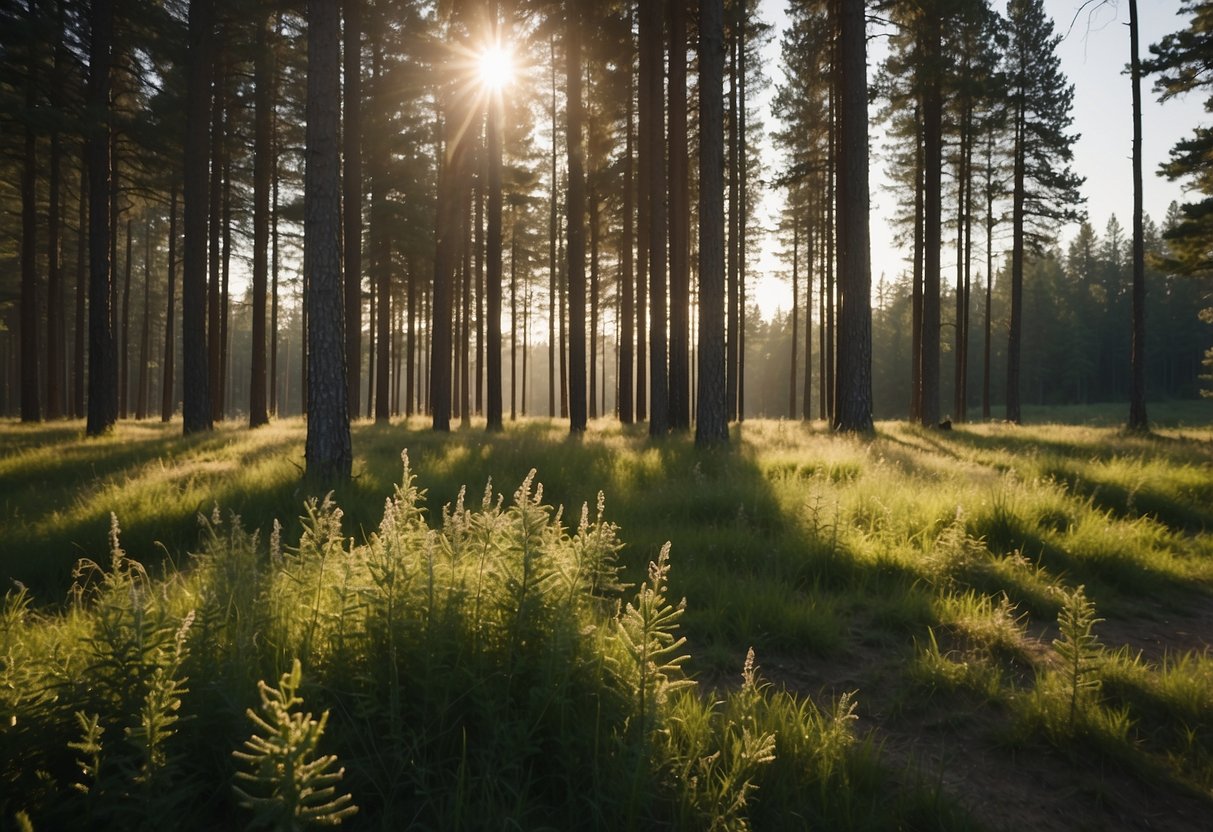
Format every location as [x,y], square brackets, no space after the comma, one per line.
[1093,56]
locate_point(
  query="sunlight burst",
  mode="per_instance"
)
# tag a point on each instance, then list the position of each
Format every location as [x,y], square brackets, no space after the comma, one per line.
[496,65]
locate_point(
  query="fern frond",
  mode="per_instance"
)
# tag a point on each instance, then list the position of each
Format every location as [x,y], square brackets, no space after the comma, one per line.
[283,782]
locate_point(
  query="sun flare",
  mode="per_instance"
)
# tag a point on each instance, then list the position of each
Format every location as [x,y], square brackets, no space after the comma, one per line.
[496,65]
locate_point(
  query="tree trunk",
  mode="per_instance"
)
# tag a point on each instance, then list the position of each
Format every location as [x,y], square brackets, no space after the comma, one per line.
[213,308]
[263,161]
[743,191]
[576,221]
[916,291]
[196,405]
[807,408]
[711,426]
[1016,327]
[30,404]
[145,331]
[328,452]
[627,311]
[652,129]
[381,243]
[853,406]
[352,199]
[553,223]
[55,342]
[493,129]
[78,335]
[680,224]
[733,355]
[465,317]
[168,403]
[124,367]
[932,129]
[795,315]
[273,333]
[410,349]
[225,316]
[593,345]
[644,189]
[103,367]
[513,314]
[985,382]
[1137,385]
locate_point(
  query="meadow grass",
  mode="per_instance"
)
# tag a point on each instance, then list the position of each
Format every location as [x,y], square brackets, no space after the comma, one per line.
[931,571]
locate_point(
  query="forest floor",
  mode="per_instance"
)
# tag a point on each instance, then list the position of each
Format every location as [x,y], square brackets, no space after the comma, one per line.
[926,571]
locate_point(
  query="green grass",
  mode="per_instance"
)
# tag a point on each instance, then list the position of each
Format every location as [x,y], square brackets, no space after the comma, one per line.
[924,570]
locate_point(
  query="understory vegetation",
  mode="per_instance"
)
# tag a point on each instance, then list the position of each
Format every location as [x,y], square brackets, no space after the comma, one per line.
[939,621]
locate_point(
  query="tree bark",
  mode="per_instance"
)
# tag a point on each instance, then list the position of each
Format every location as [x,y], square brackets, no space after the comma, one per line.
[328,451]
[103,368]
[124,358]
[680,223]
[733,354]
[1017,251]
[711,426]
[932,129]
[78,335]
[55,342]
[196,406]
[352,198]
[168,402]
[627,356]
[30,400]
[576,220]
[381,243]
[263,161]
[795,316]
[854,397]
[145,330]
[652,129]
[213,309]
[493,129]
[1137,386]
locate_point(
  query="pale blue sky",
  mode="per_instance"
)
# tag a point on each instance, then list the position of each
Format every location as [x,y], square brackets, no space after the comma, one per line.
[1093,56]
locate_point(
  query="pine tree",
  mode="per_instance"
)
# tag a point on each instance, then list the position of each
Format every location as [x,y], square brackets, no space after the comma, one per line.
[1181,60]
[711,426]
[1045,190]
[328,452]
[853,411]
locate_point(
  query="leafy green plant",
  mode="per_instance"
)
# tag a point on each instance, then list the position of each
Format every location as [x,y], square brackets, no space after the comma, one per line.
[648,632]
[1079,649]
[283,781]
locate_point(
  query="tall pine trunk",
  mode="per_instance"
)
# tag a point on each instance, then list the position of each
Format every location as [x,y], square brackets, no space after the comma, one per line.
[263,153]
[627,356]
[733,354]
[853,406]
[1017,253]
[55,342]
[576,221]
[932,130]
[680,224]
[78,336]
[352,199]
[1137,385]
[327,449]
[168,402]
[653,159]
[493,276]
[103,368]
[145,333]
[214,352]
[196,405]
[30,400]
[711,426]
